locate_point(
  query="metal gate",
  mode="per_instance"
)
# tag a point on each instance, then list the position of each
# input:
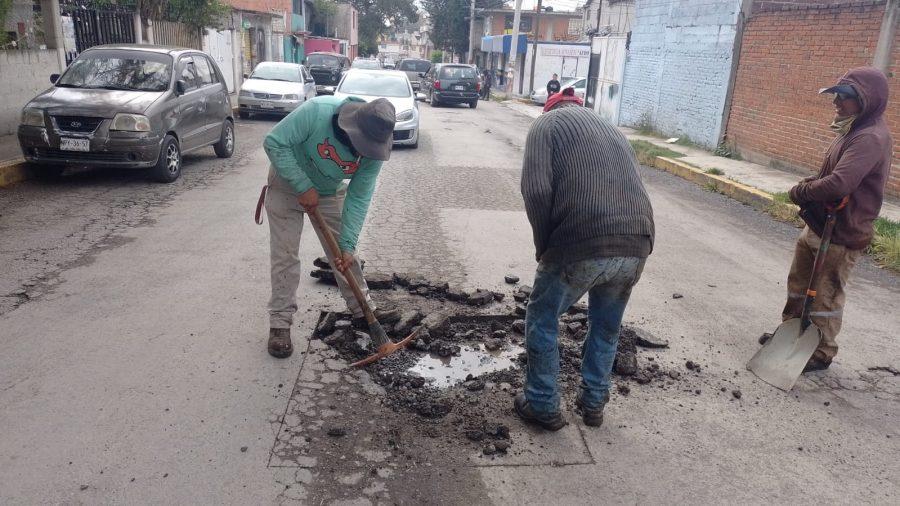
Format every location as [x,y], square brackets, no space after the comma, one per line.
[220,46]
[93,28]
[607,68]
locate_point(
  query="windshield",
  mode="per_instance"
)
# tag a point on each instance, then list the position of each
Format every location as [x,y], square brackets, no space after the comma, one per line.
[119,70]
[289,73]
[457,73]
[323,60]
[366,64]
[414,66]
[380,85]
[571,82]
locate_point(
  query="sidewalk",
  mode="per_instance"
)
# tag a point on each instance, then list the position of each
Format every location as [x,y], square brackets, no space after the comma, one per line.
[762,177]
[9,148]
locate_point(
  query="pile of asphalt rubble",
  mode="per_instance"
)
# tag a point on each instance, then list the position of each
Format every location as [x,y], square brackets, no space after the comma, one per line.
[476,406]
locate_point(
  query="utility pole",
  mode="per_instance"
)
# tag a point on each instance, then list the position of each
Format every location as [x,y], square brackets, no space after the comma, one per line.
[537,34]
[471,57]
[513,49]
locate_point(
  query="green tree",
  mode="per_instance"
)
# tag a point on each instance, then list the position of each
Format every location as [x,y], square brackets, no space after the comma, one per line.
[5,6]
[450,22]
[198,13]
[377,16]
[321,21]
[437,56]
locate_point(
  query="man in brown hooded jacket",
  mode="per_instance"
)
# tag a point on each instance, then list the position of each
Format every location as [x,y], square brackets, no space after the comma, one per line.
[856,165]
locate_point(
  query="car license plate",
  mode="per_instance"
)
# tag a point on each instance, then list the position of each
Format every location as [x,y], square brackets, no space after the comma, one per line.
[459,87]
[267,106]
[70,144]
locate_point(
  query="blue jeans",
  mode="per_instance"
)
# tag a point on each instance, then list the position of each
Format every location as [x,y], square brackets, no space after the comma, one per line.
[608,281]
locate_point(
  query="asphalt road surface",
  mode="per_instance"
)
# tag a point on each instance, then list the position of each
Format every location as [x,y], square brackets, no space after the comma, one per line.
[133,325]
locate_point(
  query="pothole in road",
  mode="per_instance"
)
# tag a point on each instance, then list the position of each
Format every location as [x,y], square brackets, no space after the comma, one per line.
[473,361]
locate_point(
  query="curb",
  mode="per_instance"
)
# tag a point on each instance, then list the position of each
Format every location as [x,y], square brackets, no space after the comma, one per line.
[745,194]
[13,171]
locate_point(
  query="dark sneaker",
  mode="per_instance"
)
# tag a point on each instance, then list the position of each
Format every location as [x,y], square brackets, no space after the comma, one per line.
[593,417]
[549,421]
[386,316]
[763,339]
[818,362]
[280,343]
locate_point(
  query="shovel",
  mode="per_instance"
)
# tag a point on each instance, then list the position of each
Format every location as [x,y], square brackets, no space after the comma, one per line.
[782,358]
[383,345]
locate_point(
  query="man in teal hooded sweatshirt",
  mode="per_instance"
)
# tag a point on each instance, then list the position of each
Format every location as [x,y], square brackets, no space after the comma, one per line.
[313,151]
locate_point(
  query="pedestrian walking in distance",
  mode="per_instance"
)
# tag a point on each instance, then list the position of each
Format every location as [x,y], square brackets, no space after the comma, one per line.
[486,85]
[856,166]
[312,152]
[553,86]
[593,230]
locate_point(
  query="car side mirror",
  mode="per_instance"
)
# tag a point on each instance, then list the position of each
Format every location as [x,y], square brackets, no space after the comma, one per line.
[54,78]
[421,74]
[180,87]
[246,76]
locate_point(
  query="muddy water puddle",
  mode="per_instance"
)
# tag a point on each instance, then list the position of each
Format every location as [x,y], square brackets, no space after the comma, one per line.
[474,360]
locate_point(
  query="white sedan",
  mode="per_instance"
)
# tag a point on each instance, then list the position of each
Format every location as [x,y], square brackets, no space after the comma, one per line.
[579,83]
[275,88]
[392,85]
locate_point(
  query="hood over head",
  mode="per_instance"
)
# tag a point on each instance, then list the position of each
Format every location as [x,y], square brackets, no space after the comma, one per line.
[871,85]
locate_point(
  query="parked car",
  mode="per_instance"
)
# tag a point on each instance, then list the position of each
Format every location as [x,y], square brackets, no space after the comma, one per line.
[452,83]
[414,68]
[366,63]
[275,88]
[327,70]
[539,96]
[130,107]
[392,85]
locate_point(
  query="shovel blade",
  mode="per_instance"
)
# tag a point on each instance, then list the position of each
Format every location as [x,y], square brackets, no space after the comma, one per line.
[781,360]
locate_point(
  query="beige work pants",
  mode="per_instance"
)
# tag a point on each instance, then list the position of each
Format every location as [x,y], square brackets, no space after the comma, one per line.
[285,217]
[827,309]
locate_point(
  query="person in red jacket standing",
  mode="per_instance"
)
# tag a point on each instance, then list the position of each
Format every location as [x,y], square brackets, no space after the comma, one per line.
[856,165]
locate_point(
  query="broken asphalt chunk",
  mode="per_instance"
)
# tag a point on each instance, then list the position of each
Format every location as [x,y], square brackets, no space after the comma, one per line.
[511,279]
[326,325]
[379,281]
[647,340]
[480,298]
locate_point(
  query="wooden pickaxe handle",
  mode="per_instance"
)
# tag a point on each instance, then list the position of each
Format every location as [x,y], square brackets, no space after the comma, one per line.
[319,224]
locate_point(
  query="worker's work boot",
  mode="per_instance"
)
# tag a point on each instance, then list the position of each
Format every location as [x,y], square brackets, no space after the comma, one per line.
[385,316]
[592,416]
[280,343]
[818,362]
[549,421]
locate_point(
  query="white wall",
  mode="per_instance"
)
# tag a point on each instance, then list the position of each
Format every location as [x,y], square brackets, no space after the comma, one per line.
[567,60]
[32,71]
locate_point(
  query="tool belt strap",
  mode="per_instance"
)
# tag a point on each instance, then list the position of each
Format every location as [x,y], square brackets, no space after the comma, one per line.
[259,205]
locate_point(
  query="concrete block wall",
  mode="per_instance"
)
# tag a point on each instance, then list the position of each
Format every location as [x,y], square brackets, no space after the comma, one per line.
[787,55]
[25,74]
[678,67]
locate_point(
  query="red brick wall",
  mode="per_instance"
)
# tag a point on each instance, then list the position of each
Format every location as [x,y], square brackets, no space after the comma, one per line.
[787,54]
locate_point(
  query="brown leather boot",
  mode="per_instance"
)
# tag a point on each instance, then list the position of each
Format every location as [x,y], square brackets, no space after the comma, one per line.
[280,343]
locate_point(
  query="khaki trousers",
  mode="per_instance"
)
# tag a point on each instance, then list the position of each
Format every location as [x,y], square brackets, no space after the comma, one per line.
[827,310]
[285,217]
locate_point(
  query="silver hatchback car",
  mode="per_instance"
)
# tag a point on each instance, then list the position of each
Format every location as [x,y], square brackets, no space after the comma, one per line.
[275,88]
[131,107]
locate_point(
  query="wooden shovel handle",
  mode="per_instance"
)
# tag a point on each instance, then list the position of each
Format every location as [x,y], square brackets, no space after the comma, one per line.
[319,224]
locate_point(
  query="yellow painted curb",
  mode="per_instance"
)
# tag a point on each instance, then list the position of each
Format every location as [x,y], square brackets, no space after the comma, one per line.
[749,195]
[13,172]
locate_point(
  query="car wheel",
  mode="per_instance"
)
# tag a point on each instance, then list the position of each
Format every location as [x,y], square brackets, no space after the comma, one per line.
[168,167]
[434,101]
[473,104]
[46,172]
[225,147]
[244,115]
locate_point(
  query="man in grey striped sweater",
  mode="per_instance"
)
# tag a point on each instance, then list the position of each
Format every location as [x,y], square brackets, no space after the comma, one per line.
[593,231]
